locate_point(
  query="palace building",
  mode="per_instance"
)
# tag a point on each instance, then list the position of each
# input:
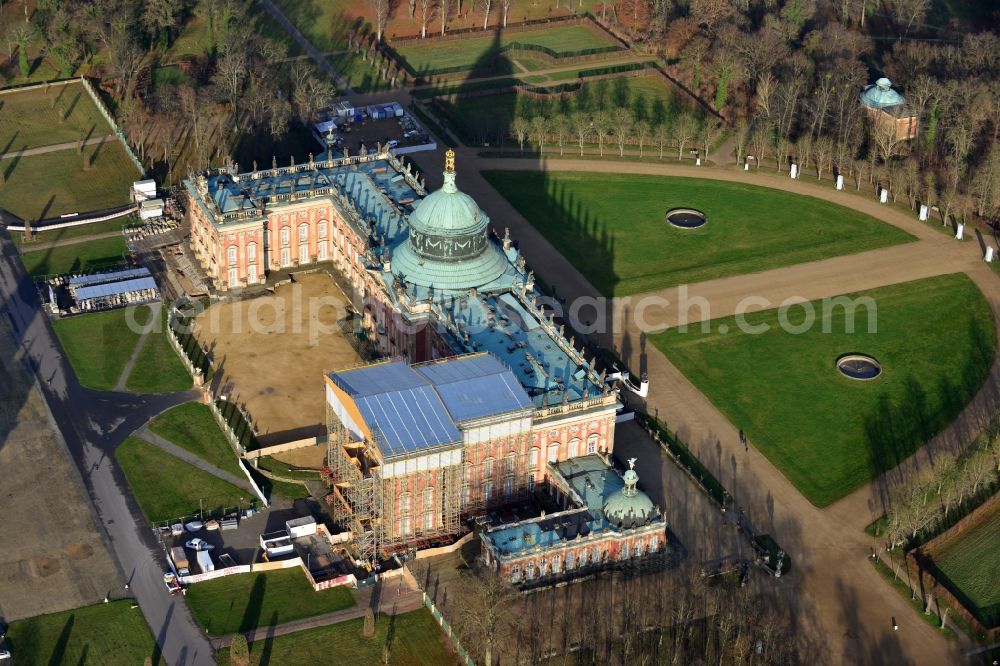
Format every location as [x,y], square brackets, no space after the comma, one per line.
[482,398]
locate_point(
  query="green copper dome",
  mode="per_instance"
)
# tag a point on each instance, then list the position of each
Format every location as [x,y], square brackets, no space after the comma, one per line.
[448,246]
[630,507]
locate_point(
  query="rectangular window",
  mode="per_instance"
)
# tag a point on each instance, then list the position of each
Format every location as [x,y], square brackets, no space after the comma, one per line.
[232,254]
[322,230]
[509,464]
[533,458]
[428,521]
[286,256]
[284,235]
[488,467]
[508,487]
[322,251]
[466,495]
[592,445]
[487,492]
[252,273]
[252,252]
[303,232]
[304,253]
[531,480]
[405,526]
[554,452]
[234,277]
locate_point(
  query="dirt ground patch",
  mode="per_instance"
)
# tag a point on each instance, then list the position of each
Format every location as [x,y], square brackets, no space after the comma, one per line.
[313,457]
[272,352]
[54,558]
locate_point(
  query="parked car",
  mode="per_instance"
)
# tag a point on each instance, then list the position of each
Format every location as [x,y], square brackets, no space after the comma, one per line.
[199,544]
[173,585]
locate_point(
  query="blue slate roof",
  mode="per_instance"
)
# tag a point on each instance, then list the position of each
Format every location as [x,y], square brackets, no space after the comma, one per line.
[115,288]
[419,407]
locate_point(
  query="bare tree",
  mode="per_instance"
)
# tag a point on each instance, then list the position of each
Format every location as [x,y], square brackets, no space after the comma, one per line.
[506,5]
[560,126]
[622,121]
[601,124]
[711,130]
[443,6]
[642,130]
[581,127]
[520,127]
[684,129]
[539,127]
[908,13]
[380,10]
[487,6]
[741,135]
[485,612]
[426,14]
[823,150]
[230,76]
[661,134]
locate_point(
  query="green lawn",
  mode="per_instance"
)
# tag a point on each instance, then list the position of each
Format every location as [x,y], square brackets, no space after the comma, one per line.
[157,368]
[471,50]
[648,97]
[246,601]
[31,118]
[191,426]
[613,228]
[167,488]
[416,641]
[828,434]
[53,184]
[969,565]
[78,257]
[99,345]
[112,634]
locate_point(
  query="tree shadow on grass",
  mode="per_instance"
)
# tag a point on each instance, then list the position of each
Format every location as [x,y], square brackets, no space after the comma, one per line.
[59,649]
[265,653]
[255,603]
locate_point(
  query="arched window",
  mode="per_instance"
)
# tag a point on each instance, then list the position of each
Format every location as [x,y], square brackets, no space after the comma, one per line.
[533,457]
[321,229]
[515,573]
[543,567]
[251,252]
[405,503]
[285,234]
[583,557]
[637,549]
[508,465]
[466,471]
[233,252]
[574,448]
[303,233]
[592,443]
[556,564]
[553,451]
[529,571]
[488,467]
[570,560]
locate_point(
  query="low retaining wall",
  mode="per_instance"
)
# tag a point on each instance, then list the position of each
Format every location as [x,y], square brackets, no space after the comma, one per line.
[443,550]
[280,448]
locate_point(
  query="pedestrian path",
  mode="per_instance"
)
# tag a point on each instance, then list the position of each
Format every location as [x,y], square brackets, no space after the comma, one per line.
[54,148]
[146,434]
[154,315]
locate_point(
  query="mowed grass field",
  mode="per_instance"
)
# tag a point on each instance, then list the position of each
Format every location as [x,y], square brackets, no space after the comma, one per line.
[613,227]
[67,233]
[469,51]
[191,426]
[44,117]
[413,639]
[77,257]
[167,488]
[828,434]
[54,184]
[112,634]
[157,368]
[970,564]
[247,601]
[99,344]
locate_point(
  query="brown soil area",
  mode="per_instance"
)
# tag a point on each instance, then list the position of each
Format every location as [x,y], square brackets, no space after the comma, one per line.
[313,457]
[272,352]
[53,557]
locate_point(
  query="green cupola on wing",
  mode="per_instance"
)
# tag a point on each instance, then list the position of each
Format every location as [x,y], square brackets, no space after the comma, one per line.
[448,246]
[630,507]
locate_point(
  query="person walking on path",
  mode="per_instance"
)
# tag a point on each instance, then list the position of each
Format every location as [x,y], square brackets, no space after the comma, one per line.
[743,441]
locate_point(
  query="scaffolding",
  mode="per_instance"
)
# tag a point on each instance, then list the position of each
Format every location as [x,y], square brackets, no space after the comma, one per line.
[355,494]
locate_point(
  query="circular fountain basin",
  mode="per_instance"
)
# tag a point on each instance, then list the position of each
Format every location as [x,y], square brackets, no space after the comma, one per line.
[859,366]
[686,218]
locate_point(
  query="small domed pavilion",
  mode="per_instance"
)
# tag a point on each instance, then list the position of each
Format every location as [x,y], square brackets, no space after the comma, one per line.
[887,107]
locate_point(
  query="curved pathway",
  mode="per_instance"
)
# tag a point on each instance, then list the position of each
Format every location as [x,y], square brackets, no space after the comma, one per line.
[844,607]
[183,454]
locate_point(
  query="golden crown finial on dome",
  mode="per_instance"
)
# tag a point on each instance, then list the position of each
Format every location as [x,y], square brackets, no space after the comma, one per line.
[449,161]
